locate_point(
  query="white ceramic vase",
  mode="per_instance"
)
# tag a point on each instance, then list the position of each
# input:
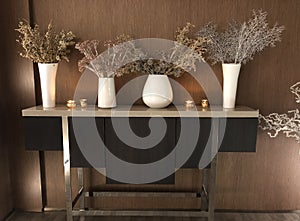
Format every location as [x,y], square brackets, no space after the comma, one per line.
[48,79]
[106,93]
[230,80]
[157,92]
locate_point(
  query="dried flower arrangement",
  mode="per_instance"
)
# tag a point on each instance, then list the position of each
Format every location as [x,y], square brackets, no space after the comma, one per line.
[119,51]
[183,37]
[240,41]
[180,58]
[50,47]
[288,123]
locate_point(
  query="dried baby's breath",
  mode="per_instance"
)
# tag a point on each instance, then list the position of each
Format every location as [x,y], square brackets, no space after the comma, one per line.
[50,47]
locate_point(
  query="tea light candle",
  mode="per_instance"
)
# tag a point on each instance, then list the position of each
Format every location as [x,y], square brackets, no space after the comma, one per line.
[204,103]
[83,103]
[71,104]
[189,103]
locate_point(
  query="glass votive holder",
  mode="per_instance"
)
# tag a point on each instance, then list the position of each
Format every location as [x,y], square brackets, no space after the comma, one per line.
[83,102]
[71,104]
[204,103]
[189,104]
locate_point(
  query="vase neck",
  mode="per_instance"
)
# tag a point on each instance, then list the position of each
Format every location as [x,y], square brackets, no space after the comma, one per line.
[233,64]
[55,63]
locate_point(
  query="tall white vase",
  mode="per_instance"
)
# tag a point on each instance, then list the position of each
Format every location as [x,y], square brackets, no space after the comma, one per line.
[157,91]
[106,93]
[48,78]
[230,80]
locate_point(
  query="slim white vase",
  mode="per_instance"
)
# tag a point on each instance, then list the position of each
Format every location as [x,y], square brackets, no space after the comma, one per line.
[48,78]
[157,92]
[230,80]
[106,93]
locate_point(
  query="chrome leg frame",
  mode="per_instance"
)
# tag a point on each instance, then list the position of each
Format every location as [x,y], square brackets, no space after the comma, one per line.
[207,198]
[67,167]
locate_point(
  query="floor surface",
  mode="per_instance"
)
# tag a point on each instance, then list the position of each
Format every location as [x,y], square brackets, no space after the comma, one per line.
[60,216]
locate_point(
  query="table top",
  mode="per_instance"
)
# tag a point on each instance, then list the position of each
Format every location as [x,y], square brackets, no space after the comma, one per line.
[142,111]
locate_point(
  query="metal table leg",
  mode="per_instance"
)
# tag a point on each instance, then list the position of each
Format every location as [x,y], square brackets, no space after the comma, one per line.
[204,194]
[212,189]
[67,167]
[213,168]
[43,179]
[80,186]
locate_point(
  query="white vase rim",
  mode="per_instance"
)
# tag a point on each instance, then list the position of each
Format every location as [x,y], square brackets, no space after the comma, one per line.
[49,63]
[160,75]
[231,63]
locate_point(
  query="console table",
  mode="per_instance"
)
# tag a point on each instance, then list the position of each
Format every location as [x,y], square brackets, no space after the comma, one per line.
[222,130]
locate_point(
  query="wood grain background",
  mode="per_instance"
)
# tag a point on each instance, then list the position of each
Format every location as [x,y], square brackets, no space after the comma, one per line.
[5,201]
[266,180]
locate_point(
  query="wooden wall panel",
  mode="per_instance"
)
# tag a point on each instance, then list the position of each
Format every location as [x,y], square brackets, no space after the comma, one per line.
[17,92]
[5,194]
[266,180]
[5,183]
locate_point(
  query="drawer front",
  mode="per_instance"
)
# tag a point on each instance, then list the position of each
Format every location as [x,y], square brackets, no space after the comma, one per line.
[240,134]
[43,133]
[86,135]
[133,152]
[188,146]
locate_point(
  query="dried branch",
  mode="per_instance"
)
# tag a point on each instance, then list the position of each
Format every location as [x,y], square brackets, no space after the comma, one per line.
[180,58]
[240,41]
[120,51]
[295,89]
[289,123]
[196,44]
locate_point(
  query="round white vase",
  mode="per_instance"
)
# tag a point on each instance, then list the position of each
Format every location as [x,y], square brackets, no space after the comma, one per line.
[48,79]
[230,80]
[106,93]
[157,92]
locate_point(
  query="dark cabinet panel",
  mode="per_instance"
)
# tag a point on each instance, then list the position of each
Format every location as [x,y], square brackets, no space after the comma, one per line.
[138,147]
[139,141]
[235,134]
[239,134]
[192,136]
[43,133]
[86,136]
[134,141]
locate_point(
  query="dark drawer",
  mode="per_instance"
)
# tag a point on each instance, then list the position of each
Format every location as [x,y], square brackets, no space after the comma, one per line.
[240,134]
[185,137]
[131,150]
[43,133]
[86,135]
